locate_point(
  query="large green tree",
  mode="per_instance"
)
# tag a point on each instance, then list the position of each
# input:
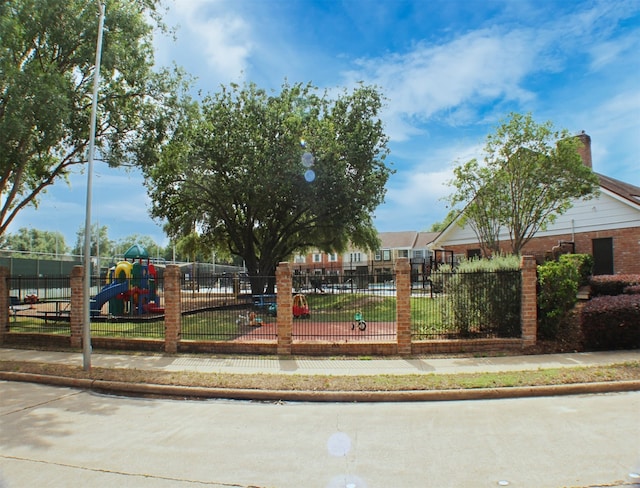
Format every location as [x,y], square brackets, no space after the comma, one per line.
[47,58]
[264,175]
[530,175]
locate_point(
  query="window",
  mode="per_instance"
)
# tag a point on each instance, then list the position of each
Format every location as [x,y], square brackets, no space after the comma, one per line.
[418,254]
[298,259]
[403,253]
[386,255]
[355,257]
[378,255]
[317,258]
[333,258]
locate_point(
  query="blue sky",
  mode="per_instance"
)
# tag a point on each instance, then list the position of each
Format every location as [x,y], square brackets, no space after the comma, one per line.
[451,70]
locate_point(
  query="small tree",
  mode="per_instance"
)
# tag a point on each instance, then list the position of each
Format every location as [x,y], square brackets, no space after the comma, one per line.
[530,175]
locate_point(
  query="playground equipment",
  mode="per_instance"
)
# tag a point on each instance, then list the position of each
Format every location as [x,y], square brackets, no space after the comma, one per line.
[358,321]
[131,286]
[300,307]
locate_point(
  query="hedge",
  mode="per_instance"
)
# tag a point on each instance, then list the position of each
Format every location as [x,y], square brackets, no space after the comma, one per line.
[612,322]
[612,284]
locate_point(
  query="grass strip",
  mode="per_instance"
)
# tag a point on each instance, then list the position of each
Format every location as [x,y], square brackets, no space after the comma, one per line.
[295,382]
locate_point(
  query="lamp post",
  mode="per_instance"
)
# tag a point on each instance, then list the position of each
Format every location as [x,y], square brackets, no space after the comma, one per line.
[86,326]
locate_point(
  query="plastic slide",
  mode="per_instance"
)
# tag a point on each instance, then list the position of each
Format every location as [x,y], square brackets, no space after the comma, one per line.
[107,293]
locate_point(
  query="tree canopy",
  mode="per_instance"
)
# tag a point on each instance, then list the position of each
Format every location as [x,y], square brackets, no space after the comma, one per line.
[35,241]
[266,175]
[47,58]
[530,174]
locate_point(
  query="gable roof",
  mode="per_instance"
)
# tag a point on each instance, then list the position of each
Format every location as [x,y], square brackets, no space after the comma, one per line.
[397,240]
[425,238]
[406,239]
[624,190]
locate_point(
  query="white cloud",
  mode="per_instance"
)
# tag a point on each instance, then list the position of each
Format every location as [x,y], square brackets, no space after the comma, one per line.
[475,68]
[216,41]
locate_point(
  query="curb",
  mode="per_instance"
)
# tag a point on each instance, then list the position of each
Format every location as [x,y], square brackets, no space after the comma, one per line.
[189,392]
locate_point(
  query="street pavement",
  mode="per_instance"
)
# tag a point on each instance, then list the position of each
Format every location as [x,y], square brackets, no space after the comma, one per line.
[64,437]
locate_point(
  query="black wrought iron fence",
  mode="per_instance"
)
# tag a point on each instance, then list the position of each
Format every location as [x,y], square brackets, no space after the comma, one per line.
[468,305]
[222,308]
[128,307]
[39,304]
[357,309]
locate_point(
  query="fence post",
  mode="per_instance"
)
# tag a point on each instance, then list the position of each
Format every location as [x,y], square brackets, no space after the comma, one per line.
[77,304]
[529,310]
[172,308]
[403,306]
[4,302]
[285,304]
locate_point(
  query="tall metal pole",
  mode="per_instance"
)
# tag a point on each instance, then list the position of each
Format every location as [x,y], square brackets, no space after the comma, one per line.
[86,326]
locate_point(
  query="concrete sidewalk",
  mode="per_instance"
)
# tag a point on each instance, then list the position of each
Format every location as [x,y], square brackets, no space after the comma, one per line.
[324,366]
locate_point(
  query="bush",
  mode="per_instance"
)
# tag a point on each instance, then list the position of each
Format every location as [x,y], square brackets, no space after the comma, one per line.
[483,297]
[583,263]
[612,322]
[612,284]
[632,290]
[557,294]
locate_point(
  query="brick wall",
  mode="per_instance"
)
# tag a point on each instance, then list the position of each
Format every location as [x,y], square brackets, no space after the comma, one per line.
[285,306]
[4,303]
[76,316]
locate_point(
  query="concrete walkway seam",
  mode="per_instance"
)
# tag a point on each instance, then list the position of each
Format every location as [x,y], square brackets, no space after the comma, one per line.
[189,392]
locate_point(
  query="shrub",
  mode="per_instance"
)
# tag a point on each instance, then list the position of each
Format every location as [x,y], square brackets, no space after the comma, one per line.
[612,322]
[632,290]
[612,284]
[557,295]
[583,263]
[483,297]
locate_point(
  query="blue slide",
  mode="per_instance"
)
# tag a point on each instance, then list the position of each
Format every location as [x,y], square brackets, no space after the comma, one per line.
[107,293]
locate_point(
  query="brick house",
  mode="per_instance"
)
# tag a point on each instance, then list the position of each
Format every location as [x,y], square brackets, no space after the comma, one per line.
[606,226]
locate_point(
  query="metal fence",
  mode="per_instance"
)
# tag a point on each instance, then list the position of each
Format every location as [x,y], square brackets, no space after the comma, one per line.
[128,307]
[353,310]
[221,307]
[40,304]
[460,305]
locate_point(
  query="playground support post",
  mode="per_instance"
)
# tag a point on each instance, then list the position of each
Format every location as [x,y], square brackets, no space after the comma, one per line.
[86,326]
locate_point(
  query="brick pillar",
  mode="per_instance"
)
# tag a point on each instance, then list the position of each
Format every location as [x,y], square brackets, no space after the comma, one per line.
[76,317]
[285,308]
[4,303]
[172,308]
[528,305]
[403,306]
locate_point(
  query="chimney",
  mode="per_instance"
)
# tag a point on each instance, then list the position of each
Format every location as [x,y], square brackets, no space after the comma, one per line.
[585,150]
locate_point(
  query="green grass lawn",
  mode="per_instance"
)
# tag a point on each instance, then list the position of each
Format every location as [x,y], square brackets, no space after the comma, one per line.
[426,313]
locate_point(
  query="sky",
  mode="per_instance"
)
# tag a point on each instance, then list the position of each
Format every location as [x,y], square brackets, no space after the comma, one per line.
[451,71]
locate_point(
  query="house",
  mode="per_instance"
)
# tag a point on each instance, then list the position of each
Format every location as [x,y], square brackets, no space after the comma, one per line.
[407,244]
[606,226]
[338,268]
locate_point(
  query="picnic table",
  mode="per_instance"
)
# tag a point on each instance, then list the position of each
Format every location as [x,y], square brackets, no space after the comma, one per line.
[62,309]
[16,306]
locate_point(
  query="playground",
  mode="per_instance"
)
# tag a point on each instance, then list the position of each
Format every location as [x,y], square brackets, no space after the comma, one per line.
[131,287]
